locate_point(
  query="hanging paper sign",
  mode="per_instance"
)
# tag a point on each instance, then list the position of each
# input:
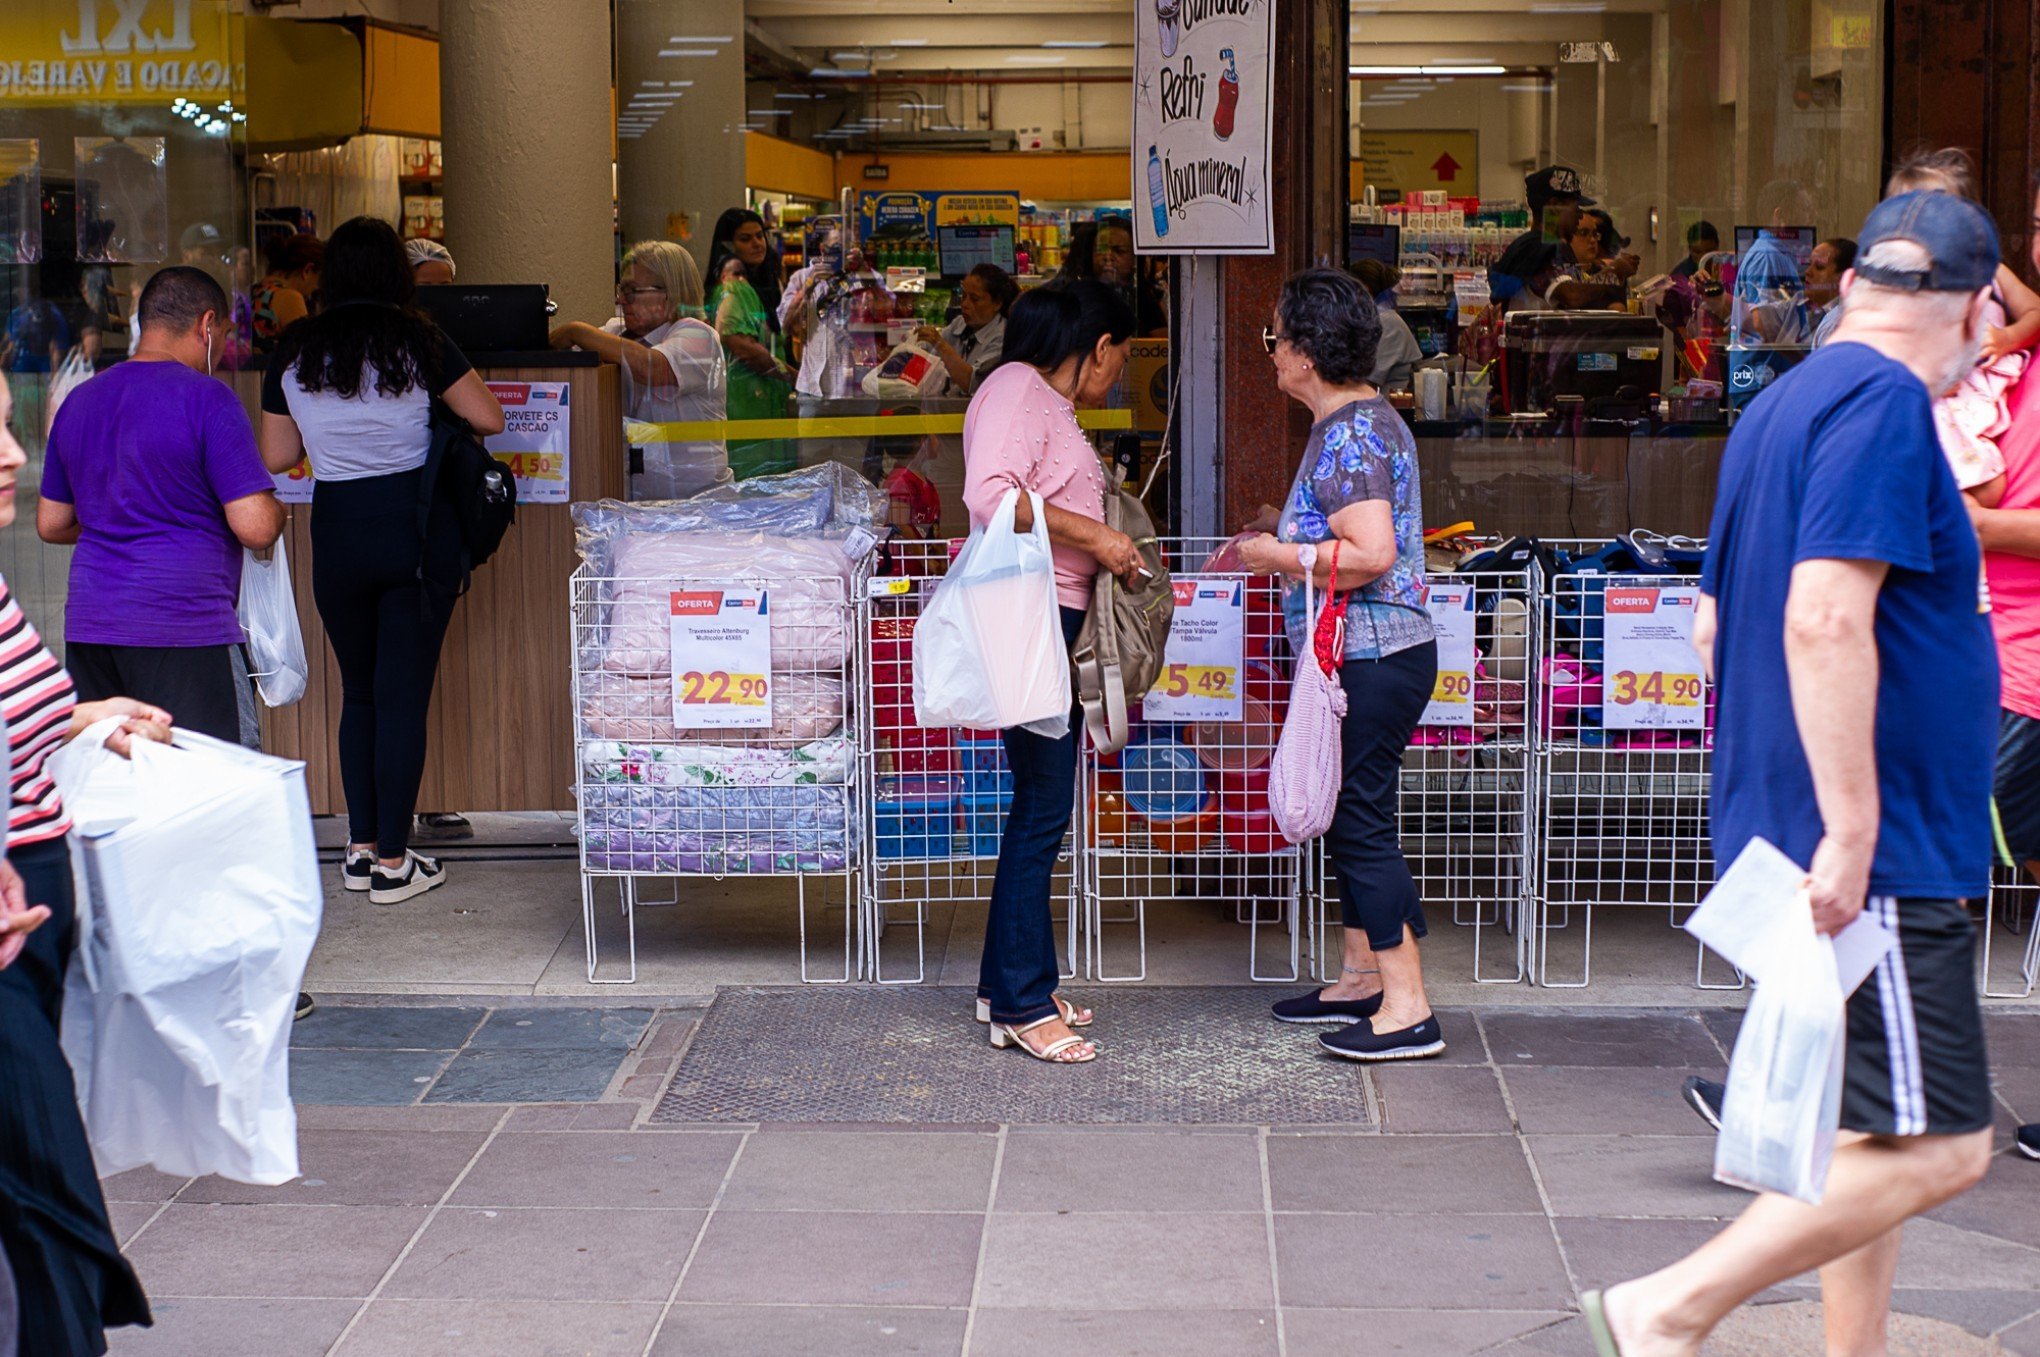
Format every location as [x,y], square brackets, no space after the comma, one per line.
[295,485]
[1451,605]
[1202,71]
[535,440]
[1651,671]
[722,658]
[1200,679]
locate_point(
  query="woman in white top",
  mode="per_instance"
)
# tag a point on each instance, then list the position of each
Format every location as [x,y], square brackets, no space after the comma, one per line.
[972,344]
[352,388]
[673,368]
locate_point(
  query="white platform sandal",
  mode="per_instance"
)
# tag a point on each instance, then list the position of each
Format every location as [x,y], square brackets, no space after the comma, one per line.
[1070,1050]
[1071,1014]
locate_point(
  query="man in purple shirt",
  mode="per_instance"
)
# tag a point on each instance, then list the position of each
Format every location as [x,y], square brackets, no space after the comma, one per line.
[152,471]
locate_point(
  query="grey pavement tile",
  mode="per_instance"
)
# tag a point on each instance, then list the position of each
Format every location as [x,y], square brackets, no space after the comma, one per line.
[358,1168]
[2019,1088]
[2022,1339]
[411,1117]
[1603,1252]
[1608,1100]
[1633,1176]
[363,1078]
[598,1169]
[528,1029]
[1979,1312]
[128,1217]
[835,1258]
[1125,1333]
[1418,1099]
[1673,1040]
[811,1331]
[326,1251]
[1372,1174]
[500,1328]
[1130,1261]
[1724,1023]
[1463,1045]
[2004,1204]
[853,1171]
[1939,1255]
[1406,1333]
[141,1185]
[2013,1039]
[1441,1261]
[576,1117]
[527,1075]
[386,1027]
[1147,1170]
[235,1328]
[547,1255]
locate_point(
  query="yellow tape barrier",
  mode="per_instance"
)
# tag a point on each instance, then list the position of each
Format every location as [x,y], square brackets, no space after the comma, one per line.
[840,426]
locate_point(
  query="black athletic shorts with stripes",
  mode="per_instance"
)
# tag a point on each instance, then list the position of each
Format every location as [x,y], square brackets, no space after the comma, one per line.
[1915,1062]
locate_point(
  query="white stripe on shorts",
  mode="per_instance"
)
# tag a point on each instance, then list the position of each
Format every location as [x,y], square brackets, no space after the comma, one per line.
[1901,1035]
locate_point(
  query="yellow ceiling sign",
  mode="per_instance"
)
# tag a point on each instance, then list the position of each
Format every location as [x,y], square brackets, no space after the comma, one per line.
[1412,161]
[128,51]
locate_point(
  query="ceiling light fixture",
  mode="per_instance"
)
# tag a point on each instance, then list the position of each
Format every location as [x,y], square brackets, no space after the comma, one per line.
[1383,72]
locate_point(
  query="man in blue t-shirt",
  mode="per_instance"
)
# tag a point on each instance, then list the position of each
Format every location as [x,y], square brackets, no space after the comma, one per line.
[153,472]
[1857,726]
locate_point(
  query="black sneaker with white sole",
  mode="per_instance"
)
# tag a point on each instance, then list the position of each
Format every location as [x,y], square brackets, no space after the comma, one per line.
[2027,1141]
[1362,1042]
[1704,1097]
[356,867]
[1314,1007]
[418,875]
[442,825]
[304,1005]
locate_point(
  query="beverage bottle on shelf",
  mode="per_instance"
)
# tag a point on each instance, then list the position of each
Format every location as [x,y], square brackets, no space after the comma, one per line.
[1158,193]
[1228,97]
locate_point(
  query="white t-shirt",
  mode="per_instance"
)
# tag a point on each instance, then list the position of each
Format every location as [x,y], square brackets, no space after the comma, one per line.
[350,438]
[676,468]
[985,346]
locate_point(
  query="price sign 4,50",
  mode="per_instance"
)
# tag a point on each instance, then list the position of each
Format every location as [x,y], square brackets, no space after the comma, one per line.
[1665,690]
[717,688]
[1199,680]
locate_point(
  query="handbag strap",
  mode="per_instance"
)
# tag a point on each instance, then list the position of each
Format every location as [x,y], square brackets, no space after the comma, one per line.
[1329,638]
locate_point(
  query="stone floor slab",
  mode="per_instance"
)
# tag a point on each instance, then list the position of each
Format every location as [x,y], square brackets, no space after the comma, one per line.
[1125,1333]
[1130,1261]
[527,1029]
[527,1075]
[1442,1262]
[1638,1038]
[1050,1170]
[835,1258]
[141,1185]
[363,1078]
[1608,1100]
[1603,1252]
[264,1251]
[1633,1176]
[547,1255]
[127,1218]
[1439,1099]
[1393,1174]
[500,1328]
[597,1170]
[386,1027]
[890,1170]
[810,1331]
[357,1168]
[1940,1255]
[189,1327]
[1406,1333]
[2002,1205]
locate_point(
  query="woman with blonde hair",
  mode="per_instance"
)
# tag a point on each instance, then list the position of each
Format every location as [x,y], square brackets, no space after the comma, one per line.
[673,370]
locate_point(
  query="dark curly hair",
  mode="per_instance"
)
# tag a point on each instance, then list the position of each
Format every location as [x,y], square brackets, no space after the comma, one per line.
[1329,318]
[370,319]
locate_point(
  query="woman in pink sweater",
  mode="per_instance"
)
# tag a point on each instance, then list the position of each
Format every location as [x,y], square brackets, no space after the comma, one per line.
[1065,347]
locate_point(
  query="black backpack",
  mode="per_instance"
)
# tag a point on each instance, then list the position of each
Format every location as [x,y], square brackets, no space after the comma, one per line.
[481,490]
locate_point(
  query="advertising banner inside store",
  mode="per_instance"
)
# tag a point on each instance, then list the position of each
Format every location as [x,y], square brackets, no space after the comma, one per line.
[152,51]
[1201,126]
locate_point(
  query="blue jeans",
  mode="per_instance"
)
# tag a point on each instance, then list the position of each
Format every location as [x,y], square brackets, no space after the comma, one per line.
[1019,971]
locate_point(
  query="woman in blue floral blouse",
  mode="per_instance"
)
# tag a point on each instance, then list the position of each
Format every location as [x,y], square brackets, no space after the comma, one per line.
[1357,490]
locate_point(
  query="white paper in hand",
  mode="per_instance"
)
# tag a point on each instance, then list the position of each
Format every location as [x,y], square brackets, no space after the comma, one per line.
[1751,900]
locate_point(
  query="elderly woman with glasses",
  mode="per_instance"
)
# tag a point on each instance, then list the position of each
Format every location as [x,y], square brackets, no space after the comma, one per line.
[1353,523]
[673,370]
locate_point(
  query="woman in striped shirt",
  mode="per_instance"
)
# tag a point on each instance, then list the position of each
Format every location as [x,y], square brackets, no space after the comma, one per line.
[72,1282]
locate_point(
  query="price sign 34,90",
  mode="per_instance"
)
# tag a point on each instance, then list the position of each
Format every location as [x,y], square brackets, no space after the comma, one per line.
[722,658]
[1666,690]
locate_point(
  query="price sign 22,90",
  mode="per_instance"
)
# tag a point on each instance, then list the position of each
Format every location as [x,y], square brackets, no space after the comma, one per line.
[722,658]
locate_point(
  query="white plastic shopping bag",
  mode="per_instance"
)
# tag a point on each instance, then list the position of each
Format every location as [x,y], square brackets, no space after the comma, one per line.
[199,901]
[909,372]
[988,648]
[268,613]
[72,373]
[1783,1106]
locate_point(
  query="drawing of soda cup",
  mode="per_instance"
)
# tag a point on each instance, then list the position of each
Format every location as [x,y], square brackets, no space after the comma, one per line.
[1168,18]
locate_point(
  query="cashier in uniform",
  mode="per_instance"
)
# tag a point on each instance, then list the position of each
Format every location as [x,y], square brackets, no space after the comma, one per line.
[673,369]
[1534,272]
[971,344]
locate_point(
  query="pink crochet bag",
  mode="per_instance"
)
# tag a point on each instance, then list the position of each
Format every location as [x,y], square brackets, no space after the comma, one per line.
[1304,775]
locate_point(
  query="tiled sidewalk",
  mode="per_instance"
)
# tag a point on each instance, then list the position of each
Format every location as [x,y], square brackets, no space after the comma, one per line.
[1550,1154]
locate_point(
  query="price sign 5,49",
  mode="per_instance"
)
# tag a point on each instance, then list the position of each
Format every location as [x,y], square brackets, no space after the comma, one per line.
[1215,681]
[1657,689]
[721,688]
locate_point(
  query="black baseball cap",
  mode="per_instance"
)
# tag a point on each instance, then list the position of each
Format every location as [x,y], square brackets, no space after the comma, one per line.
[1555,181]
[1958,236]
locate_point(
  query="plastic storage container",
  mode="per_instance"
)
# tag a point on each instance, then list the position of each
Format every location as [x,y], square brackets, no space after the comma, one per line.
[916,817]
[981,759]
[922,751]
[980,821]
[1162,777]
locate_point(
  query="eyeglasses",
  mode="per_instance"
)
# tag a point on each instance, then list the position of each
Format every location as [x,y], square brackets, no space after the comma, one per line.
[623,291]
[1270,339]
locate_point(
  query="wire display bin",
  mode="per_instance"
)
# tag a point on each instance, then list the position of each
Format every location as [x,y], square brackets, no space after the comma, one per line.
[1622,761]
[1182,812]
[2010,929]
[938,798]
[1466,804]
[717,728]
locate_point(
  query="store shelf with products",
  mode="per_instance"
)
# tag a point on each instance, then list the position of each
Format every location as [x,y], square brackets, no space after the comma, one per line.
[419,181]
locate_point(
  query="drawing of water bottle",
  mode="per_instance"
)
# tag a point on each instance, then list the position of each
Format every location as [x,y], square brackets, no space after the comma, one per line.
[1228,97]
[1158,193]
[1168,18]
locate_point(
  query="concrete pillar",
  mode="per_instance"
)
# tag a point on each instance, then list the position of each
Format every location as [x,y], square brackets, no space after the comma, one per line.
[681,105]
[524,107]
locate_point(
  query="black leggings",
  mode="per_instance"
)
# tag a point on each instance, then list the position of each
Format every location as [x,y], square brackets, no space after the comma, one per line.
[1384,700]
[386,632]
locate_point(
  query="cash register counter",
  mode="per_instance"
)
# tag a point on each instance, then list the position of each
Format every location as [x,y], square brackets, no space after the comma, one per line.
[501,734]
